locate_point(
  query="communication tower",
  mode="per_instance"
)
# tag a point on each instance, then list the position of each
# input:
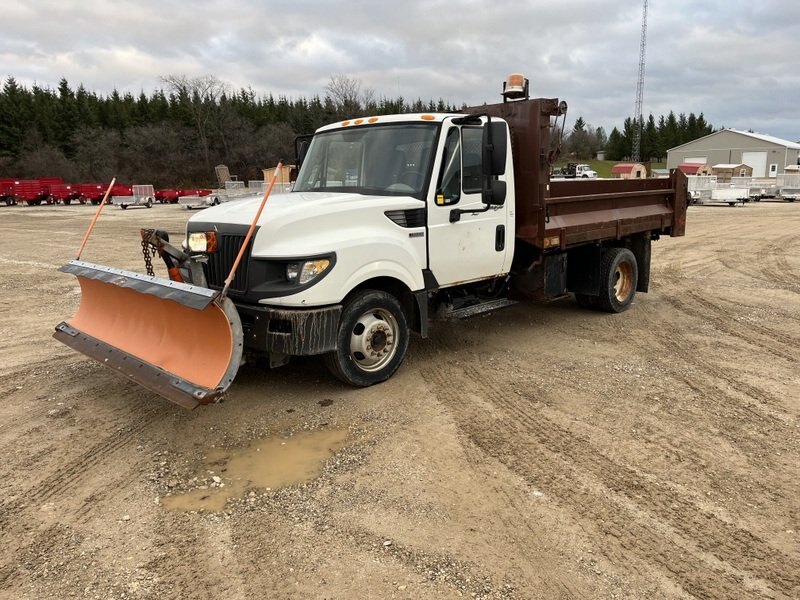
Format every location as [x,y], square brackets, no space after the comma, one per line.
[637,112]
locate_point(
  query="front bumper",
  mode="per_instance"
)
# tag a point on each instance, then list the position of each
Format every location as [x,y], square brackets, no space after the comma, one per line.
[294,332]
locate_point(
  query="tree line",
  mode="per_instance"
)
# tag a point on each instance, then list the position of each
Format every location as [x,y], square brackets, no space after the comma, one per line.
[657,136]
[174,136]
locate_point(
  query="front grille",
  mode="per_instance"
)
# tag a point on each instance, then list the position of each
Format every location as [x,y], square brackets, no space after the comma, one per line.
[220,263]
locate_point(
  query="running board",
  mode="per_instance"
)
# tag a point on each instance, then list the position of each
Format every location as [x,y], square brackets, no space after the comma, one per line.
[478,309]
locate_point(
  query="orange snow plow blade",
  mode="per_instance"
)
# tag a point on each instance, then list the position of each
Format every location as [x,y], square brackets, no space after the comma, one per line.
[180,341]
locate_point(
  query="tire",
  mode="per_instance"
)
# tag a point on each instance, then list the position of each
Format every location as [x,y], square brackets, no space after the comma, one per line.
[149,204]
[372,339]
[619,276]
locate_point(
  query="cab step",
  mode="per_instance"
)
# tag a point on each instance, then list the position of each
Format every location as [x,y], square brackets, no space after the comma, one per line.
[477,309]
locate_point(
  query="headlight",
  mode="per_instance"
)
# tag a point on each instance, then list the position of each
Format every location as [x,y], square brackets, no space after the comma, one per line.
[205,241]
[303,272]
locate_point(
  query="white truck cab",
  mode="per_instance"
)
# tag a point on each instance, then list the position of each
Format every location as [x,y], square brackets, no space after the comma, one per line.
[585,171]
[384,211]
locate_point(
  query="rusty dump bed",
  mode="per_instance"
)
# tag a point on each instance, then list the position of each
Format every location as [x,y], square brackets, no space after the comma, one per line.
[578,211]
[583,211]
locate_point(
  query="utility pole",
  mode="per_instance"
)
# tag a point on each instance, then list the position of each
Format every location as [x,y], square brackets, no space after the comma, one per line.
[637,112]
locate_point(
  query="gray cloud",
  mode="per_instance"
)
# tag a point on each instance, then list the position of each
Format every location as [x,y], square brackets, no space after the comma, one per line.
[734,61]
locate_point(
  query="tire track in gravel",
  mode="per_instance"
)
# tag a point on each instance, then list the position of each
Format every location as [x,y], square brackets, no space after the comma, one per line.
[764,337]
[775,264]
[72,473]
[667,339]
[770,265]
[545,454]
[751,419]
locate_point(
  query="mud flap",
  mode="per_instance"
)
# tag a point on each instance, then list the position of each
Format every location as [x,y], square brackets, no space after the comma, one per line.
[180,341]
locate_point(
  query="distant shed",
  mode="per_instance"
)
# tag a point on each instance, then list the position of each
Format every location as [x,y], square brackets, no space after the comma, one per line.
[659,173]
[285,178]
[628,171]
[691,168]
[724,171]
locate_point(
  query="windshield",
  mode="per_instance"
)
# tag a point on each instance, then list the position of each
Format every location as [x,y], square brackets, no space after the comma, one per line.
[385,160]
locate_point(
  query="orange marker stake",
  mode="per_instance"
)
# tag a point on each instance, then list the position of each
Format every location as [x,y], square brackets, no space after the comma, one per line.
[94,220]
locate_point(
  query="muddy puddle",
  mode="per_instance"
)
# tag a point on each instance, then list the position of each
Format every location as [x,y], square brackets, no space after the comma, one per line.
[265,464]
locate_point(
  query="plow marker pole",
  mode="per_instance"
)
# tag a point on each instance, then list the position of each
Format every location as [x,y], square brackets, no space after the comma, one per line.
[94,220]
[250,231]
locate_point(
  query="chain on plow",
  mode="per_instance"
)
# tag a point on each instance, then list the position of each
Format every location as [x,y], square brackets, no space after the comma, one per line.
[149,250]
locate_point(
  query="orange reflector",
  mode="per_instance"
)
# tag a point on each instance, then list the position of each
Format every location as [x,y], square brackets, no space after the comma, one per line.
[358,121]
[552,241]
[372,119]
[211,241]
[427,117]
[345,123]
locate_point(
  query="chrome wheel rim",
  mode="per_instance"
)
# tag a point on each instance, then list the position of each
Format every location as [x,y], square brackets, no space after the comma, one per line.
[373,340]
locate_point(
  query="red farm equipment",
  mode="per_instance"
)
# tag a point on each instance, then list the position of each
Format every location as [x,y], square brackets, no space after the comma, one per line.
[94,192]
[34,191]
[64,193]
[195,192]
[167,196]
[30,192]
[91,192]
[7,191]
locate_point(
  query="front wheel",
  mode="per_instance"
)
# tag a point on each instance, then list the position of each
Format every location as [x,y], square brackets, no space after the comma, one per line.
[372,339]
[619,277]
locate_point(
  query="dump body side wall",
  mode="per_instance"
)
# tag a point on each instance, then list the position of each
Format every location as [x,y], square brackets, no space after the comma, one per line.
[579,211]
[596,210]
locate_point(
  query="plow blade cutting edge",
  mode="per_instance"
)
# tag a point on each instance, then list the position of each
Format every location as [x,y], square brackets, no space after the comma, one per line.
[180,341]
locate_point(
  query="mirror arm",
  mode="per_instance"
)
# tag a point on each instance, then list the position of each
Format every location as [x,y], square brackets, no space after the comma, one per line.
[455,214]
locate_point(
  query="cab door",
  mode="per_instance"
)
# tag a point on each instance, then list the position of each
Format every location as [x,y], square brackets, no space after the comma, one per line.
[475,246]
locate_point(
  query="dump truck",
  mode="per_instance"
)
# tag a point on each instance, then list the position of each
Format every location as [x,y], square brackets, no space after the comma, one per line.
[394,223]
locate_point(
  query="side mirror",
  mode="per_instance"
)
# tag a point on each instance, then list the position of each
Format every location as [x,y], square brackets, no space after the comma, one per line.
[301,145]
[495,142]
[494,193]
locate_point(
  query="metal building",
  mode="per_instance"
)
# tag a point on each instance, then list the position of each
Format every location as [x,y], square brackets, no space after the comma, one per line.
[767,155]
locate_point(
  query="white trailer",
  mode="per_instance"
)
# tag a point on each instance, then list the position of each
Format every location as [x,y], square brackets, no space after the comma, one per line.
[789,186]
[143,195]
[730,194]
[700,188]
[233,190]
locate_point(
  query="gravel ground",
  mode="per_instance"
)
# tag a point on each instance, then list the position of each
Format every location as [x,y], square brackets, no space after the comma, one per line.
[540,452]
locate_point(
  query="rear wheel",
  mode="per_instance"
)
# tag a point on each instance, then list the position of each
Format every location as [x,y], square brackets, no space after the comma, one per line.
[619,278]
[372,339]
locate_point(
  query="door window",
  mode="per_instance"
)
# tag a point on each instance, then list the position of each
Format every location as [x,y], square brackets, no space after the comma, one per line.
[472,141]
[462,170]
[449,188]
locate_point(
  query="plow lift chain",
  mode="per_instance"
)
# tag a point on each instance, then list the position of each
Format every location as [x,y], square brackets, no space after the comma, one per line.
[149,250]
[181,267]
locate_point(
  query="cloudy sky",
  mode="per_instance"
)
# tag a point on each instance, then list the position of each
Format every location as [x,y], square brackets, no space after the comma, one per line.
[735,61]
